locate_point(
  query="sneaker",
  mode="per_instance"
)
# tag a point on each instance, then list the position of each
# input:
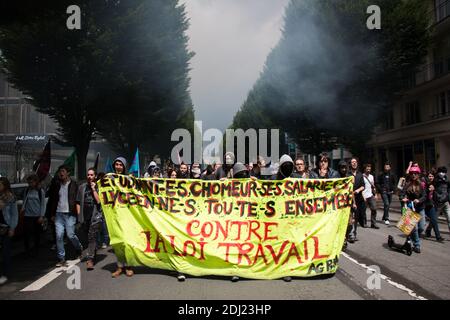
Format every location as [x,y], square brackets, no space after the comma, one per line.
[416,249]
[374,226]
[386,222]
[440,239]
[3,280]
[90,265]
[104,246]
[61,263]
[181,277]
[235,279]
[287,279]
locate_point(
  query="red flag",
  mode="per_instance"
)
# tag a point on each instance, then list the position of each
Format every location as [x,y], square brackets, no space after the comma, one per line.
[42,165]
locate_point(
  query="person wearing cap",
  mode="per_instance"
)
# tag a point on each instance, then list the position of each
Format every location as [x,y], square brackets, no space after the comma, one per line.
[120,167]
[414,196]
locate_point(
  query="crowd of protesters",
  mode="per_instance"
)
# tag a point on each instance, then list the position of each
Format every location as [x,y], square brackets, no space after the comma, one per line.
[71,204]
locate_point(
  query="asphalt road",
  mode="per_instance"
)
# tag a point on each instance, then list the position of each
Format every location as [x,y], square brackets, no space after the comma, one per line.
[420,276]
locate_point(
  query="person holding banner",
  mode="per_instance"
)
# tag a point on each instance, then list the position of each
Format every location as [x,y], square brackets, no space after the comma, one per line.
[414,193]
[358,188]
[120,167]
[323,169]
[89,208]
[343,173]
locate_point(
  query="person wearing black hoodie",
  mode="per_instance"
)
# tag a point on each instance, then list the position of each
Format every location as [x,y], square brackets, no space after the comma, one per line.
[226,170]
[285,170]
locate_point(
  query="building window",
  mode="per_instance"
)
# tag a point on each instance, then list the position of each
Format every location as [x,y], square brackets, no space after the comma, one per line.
[442,104]
[412,113]
[442,9]
[389,119]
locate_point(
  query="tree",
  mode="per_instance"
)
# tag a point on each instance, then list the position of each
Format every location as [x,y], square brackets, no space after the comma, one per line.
[120,75]
[329,79]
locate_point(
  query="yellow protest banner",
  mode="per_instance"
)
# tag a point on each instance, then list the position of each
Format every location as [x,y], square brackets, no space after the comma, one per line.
[248,228]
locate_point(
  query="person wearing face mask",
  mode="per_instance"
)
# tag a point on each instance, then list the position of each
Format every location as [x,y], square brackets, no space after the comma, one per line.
[226,170]
[195,171]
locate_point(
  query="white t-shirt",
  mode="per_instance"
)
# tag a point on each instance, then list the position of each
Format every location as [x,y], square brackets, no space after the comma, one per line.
[368,182]
[63,203]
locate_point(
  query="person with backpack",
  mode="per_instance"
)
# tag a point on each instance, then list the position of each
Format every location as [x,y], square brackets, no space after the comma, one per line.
[370,195]
[33,209]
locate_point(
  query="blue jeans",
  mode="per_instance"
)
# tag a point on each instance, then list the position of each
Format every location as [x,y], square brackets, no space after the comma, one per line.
[65,221]
[6,255]
[432,214]
[420,227]
[387,200]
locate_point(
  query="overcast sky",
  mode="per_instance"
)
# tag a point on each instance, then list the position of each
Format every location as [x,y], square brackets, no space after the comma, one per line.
[231,40]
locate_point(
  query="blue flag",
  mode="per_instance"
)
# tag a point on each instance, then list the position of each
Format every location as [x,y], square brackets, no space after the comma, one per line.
[135,167]
[108,166]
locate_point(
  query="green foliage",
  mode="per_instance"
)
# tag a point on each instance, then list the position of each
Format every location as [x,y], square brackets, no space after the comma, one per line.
[124,75]
[330,79]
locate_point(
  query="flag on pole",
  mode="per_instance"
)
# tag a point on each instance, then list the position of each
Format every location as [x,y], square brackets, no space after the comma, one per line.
[42,165]
[135,169]
[96,161]
[70,162]
[108,166]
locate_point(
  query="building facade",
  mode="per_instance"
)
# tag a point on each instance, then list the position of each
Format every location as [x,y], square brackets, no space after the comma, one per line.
[417,127]
[24,133]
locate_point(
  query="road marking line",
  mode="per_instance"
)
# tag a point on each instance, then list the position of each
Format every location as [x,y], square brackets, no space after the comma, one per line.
[386,278]
[49,277]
